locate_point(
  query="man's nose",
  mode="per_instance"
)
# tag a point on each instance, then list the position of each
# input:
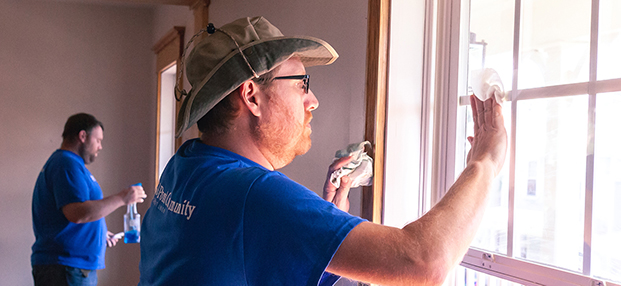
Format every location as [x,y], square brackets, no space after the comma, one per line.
[313,103]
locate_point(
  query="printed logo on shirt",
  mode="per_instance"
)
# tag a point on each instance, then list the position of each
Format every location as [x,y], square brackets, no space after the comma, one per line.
[93,178]
[163,202]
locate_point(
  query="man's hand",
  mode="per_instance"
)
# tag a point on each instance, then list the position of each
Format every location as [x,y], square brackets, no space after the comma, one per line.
[490,137]
[133,194]
[110,240]
[338,197]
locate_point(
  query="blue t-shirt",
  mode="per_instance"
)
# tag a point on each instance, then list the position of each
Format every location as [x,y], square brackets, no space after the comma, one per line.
[64,179]
[218,218]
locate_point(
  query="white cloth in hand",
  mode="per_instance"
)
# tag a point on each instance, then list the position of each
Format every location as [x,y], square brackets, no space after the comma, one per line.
[359,170]
[486,83]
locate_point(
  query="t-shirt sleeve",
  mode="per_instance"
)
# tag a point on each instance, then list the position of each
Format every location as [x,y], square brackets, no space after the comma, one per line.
[291,231]
[69,183]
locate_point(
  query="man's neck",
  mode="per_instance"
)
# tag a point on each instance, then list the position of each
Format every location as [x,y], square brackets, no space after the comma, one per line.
[240,145]
[70,146]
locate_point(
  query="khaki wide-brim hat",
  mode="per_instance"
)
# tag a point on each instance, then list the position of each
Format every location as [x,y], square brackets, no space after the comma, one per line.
[215,66]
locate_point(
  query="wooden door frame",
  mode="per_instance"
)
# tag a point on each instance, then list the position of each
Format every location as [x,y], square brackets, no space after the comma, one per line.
[169,50]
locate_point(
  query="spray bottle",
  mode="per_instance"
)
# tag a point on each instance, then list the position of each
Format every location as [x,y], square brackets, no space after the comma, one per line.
[131,223]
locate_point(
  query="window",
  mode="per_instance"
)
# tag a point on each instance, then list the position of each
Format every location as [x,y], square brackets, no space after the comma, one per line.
[555,207]
[553,217]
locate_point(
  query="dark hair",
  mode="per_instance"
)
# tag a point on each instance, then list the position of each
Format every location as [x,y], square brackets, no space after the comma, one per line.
[78,122]
[218,119]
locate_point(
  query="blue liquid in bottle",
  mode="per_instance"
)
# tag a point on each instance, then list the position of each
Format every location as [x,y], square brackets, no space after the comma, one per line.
[132,223]
[132,236]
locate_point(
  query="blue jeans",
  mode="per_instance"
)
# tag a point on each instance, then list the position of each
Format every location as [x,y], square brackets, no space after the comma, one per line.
[61,275]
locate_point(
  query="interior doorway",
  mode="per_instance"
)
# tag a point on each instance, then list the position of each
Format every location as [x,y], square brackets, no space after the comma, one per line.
[166,117]
[168,50]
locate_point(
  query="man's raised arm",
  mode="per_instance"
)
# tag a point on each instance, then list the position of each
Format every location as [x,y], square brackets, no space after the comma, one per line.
[426,250]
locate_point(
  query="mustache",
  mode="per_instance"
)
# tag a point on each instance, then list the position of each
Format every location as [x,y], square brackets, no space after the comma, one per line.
[308,116]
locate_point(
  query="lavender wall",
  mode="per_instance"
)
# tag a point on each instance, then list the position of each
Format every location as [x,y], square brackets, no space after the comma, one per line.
[58,58]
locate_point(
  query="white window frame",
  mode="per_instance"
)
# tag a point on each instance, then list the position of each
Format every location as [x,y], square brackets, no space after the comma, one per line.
[449,76]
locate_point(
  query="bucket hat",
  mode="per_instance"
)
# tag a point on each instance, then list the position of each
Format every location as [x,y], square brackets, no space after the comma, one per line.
[236,52]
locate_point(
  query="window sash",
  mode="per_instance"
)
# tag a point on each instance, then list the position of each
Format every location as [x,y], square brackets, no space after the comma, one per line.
[448,83]
[525,273]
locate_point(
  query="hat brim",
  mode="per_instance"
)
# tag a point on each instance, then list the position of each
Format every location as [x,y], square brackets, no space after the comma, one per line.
[232,71]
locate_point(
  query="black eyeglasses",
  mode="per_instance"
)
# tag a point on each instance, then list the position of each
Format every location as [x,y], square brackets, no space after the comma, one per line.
[305,79]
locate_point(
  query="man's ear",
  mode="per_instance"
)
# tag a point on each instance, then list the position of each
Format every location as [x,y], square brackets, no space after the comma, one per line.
[82,136]
[251,96]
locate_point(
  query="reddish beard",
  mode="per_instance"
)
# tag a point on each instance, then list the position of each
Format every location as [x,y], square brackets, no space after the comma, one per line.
[283,139]
[305,142]
[308,116]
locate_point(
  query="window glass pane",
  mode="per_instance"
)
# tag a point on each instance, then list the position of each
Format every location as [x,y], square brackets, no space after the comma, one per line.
[554,42]
[549,180]
[491,46]
[609,44]
[606,252]
[491,37]
[492,234]
[467,277]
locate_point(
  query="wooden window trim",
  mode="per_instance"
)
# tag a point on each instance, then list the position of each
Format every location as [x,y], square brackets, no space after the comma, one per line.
[376,92]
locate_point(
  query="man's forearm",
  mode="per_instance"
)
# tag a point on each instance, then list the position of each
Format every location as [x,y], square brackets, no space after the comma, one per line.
[424,251]
[93,210]
[452,223]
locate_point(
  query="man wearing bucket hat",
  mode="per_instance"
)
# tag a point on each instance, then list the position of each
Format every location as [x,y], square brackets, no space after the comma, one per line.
[222,215]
